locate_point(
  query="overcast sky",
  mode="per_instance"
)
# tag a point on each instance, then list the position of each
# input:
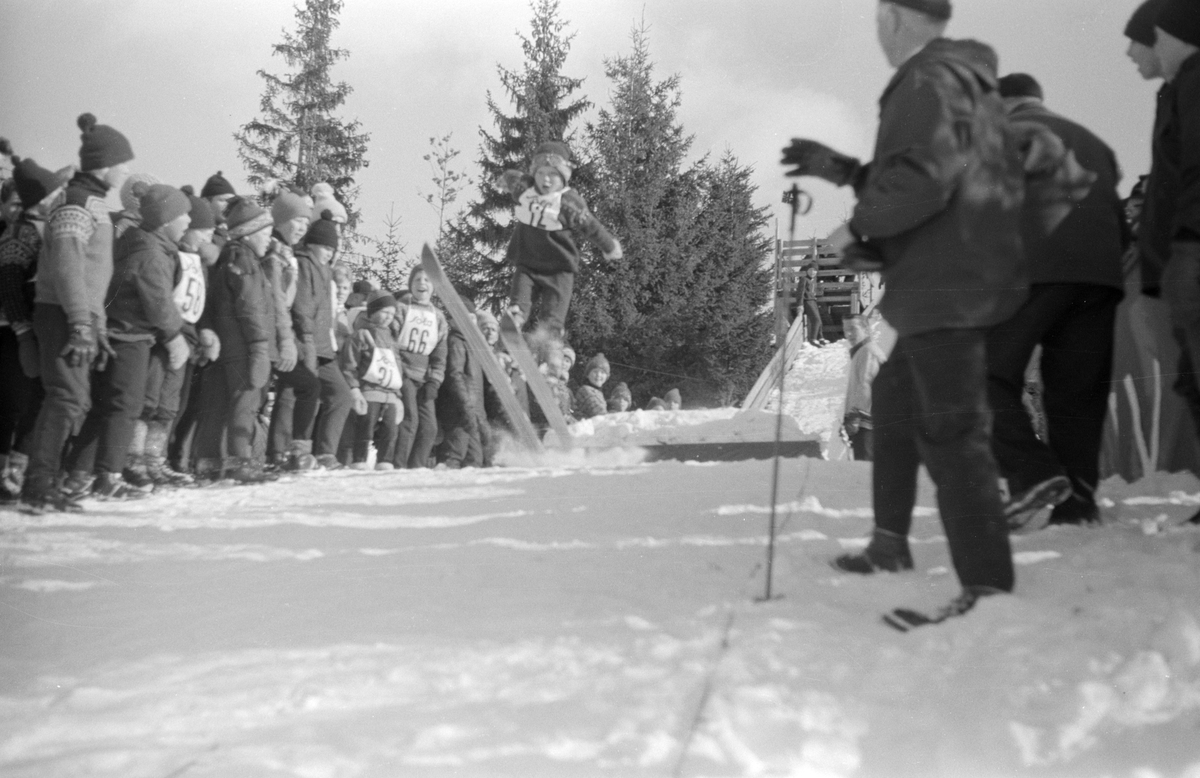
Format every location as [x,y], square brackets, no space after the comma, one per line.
[179,77]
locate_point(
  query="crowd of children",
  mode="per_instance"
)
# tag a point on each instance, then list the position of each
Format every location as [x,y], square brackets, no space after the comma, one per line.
[188,339]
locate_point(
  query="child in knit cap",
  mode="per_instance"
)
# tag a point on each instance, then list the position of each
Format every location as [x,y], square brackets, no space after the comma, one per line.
[219,193]
[141,314]
[74,271]
[33,190]
[620,399]
[547,214]
[368,363]
[421,341]
[589,399]
[130,213]
[673,400]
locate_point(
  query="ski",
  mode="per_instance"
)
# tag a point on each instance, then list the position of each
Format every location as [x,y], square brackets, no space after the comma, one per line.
[905,619]
[526,435]
[510,334]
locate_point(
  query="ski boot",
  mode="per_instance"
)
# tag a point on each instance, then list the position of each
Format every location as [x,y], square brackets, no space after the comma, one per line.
[887,552]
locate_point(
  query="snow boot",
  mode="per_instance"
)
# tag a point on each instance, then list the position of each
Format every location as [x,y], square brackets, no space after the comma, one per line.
[137,474]
[1075,510]
[250,471]
[209,469]
[76,485]
[300,456]
[155,458]
[887,552]
[41,494]
[13,476]
[385,466]
[328,462]
[112,486]
[7,496]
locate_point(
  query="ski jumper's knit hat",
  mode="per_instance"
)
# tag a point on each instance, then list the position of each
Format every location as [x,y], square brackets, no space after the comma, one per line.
[378,301]
[1180,18]
[160,204]
[937,9]
[364,287]
[598,361]
[621,390]
[244,217]
[553,154]
[656,404]
[322,232]
[217,185]
[101,146]
[202,213]
[673,396]
[33,182]
[1020,85]
[135,184]
[290,205]
[1140,28]
[324,200]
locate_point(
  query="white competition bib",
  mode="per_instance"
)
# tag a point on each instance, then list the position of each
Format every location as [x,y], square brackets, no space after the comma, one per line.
[190,292]
[383,370]
[539,210]
[419,335]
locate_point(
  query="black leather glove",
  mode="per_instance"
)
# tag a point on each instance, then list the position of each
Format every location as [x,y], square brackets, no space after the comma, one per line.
[811,158]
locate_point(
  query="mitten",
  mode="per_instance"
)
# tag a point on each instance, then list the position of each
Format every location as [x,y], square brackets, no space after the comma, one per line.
[360,402]
[210,346]
[177,351]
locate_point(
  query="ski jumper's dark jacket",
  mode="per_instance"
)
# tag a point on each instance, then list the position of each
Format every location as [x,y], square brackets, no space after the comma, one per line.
[942,198]
[1162,190]
[1182,152]
[312,309]
[141,297]
[241,307]
[544,225]
[1087,246]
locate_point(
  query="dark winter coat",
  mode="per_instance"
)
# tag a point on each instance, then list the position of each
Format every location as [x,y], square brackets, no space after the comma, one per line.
[589,402]
[312,310]
[141,296]
[461,397]
[1087,246]
[240,306]
[1183,150]
[544,225]
[75,266]
[19,249]
[943,194]
[1162,190]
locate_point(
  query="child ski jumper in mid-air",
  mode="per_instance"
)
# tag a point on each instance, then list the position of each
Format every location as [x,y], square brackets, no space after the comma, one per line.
[542,249]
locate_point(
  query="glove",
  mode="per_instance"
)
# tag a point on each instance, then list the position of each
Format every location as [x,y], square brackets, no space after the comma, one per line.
[850,424]
[106,352]
[81,346]
[862,257]
[177,351]
[209,254]
[360,402]
[27,353]
[816,159]
[287,356]
[210,346]
[308,352]
[616,252]
[259,370]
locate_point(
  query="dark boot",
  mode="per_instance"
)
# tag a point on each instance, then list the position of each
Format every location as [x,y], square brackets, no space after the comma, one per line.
[887,552]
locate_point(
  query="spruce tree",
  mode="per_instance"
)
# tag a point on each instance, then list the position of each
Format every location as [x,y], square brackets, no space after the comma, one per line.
[684,307]
[298,140]
[543,109]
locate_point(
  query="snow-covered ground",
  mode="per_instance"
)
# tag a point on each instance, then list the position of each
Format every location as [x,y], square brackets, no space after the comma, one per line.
[587,616]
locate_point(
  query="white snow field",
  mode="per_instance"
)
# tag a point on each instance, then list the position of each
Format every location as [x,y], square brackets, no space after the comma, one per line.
[588,616]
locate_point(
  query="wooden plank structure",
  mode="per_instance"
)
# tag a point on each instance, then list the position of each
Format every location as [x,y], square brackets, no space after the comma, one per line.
[839,292]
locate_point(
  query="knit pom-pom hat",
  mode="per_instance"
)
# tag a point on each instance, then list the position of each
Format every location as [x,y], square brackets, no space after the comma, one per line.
[101,146]
[216,185]
[1180,18]
[290,205]
[599,361]
[245,217]
[1140,28]
[553,154]
[622,390]
[33,182]
[324,200]
[322,232]
[159,204]
[133,189]
[378,301]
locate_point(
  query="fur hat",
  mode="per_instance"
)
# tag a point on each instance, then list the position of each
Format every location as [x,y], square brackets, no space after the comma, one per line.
[1180,18]
[378,301]
[202,212]
[598,361]
[33,182]
[1140,28]
[216,185]
[101,146]
[322,232]
[936,9]
[553,154]
[244,217]
[324,199]
[130,199]
[290,205]
[160,204]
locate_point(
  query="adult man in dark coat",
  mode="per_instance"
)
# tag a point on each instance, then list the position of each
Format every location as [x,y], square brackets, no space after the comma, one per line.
[939,206]
[1076,281]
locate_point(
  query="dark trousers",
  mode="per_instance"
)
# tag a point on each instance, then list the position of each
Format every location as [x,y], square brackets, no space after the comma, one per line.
[930,406]
[118,396]
[297,396]
[234,416]
[418,430]
[336,404]
[377,425]
[554,296]
[862,444]
[1181,291]
[201,400]
[1074,325]
[164,387]
[812,321]
[68,399]
[20,397]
